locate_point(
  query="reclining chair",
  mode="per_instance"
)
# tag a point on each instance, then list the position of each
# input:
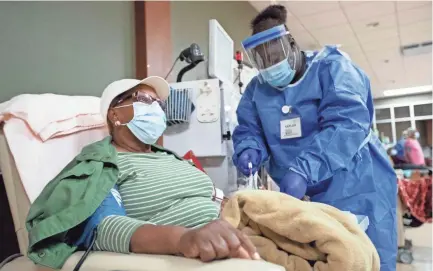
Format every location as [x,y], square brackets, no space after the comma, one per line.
[98,261]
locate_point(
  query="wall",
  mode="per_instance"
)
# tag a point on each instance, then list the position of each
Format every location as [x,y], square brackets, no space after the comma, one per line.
[190,23]
[64,47]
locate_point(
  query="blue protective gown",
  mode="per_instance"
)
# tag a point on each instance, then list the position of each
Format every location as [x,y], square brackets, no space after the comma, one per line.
[345,165]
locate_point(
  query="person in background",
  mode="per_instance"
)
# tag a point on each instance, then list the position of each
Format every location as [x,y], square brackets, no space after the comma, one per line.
[413,151]
[123,194]
[308,116]
[399,154]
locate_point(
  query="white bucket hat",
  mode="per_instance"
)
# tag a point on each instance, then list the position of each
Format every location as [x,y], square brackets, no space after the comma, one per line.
[116,88]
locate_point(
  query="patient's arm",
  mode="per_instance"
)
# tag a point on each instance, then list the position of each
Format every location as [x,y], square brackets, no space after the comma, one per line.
[118,233]
[111,207]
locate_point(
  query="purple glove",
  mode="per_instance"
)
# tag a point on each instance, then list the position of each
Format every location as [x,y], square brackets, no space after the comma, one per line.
[294,185]
[249,155]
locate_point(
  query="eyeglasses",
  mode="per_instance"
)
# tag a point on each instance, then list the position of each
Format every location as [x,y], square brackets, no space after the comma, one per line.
[143,98]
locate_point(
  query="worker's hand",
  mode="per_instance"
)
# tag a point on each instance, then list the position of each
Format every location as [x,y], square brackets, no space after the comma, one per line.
[247,156]
[216,240]
[293,184]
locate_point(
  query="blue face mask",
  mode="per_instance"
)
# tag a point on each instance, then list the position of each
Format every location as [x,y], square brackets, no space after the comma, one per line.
[278,75]
[148,123]
[416,135]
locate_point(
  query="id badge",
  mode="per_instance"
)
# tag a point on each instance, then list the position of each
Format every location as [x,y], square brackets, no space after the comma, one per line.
[291,128]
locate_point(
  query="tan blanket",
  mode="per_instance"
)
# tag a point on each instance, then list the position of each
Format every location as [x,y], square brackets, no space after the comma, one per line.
[290,232]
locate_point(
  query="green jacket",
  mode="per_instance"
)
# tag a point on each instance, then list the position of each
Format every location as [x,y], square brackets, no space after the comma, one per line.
[69,199]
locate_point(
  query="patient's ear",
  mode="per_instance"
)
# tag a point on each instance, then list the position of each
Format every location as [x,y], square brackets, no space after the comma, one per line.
[111,116]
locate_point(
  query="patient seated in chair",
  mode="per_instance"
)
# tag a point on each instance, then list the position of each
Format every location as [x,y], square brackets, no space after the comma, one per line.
[152,201]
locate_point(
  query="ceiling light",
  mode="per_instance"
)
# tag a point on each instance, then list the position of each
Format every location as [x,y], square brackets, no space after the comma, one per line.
[417,49]
[407,91]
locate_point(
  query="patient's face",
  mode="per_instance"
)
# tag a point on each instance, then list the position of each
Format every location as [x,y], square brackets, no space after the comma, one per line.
[125,113]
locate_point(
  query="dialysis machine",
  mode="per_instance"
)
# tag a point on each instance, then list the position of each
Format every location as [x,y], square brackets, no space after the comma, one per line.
[201,114]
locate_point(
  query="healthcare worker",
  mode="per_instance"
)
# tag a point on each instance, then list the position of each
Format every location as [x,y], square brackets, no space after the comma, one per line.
[308,117]
[399,155]
[412,148]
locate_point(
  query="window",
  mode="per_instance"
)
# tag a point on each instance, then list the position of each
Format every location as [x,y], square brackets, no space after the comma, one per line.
[392,120]
[401,112]
[423,128]
[385,129]
[400,127]
[383,114]
[423,110]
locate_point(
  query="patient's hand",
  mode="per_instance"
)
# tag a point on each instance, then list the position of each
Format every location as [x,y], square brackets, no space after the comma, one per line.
[216,240]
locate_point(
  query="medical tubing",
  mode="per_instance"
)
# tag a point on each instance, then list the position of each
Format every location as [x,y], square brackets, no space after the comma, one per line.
[184,70]
[83,258]
[172,67]
[10,259]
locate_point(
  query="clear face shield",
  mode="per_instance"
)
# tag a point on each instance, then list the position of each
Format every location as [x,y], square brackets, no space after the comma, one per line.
[274,53]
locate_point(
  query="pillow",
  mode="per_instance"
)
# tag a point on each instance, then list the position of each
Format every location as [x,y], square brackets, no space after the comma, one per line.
[51,115]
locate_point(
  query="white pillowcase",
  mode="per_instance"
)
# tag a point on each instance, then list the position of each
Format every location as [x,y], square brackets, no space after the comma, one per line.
[51,115]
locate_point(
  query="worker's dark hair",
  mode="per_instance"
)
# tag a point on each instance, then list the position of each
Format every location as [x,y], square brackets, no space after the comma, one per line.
[269,17]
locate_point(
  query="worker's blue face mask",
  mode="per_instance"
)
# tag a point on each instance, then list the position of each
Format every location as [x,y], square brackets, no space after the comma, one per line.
[279,75]
[275,54]
[417,135]
[148,123]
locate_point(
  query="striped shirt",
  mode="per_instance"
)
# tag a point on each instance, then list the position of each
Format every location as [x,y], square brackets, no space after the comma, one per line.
[158,189]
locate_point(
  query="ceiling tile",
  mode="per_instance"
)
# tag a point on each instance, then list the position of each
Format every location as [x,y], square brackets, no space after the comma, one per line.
[419,78]
[341,34]
[324,19]
[368,9]
[384,55]
[381,44]
[394,67]
[374,23]
[389,66]
[370,46]
[260,5]
[359,59]
[377,34]
[350,3]
[376,88]
[414,15]
[365,66]
[413,82]
[352,50]
[400,82]
[405,5]
[416,32]
[418,59]
[295,25]
[415,37]
[420,64]
[306,41]
[302,8]
[418,26]
[389,73]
